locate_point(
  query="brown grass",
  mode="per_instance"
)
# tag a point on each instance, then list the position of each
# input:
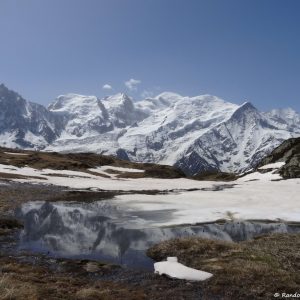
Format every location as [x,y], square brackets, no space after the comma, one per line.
[107,293]
[133,175]
[18,176]
[21,281]
[82,162]
[91,294]
[248,270]
[12,289]
[216,176]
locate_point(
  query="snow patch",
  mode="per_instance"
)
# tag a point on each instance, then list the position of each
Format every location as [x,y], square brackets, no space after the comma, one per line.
[276,165]
[104,169]
[12,153]
[177,270]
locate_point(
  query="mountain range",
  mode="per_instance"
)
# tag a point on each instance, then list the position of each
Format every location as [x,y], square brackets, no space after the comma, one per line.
[196,134]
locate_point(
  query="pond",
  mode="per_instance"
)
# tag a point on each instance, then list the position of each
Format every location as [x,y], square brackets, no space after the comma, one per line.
[103,231]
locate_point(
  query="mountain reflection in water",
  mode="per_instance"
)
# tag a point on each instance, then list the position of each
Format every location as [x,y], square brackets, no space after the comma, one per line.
[104,232]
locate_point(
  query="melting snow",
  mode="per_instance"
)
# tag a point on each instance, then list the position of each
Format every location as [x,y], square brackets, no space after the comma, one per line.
[177,270]
[254,196]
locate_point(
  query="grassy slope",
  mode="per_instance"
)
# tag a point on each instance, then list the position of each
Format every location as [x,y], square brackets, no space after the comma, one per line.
[248,270]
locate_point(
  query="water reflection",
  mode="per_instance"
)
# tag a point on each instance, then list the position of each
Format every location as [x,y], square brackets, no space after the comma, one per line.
[102,231]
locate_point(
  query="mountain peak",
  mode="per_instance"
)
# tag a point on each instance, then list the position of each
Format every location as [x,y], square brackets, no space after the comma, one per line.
[117,100]
[8,95]
[4,89]
[70,101]
[125,96]
[247,104]
[119,96]
[246,110]
[169,96]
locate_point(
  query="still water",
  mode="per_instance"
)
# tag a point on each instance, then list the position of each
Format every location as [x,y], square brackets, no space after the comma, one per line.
[104,232]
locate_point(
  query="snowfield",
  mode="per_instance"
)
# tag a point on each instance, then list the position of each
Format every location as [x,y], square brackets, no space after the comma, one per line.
[254,196]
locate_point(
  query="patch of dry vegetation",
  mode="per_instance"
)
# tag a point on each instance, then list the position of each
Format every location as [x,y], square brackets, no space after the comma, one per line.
[248,270]
[82,162]
[107,293]
[216,176]
[27,282]
[5,176]
[11,289]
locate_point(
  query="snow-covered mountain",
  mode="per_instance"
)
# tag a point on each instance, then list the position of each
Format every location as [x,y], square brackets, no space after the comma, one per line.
[84,116]
[201,133]
[286,119]
[25,124]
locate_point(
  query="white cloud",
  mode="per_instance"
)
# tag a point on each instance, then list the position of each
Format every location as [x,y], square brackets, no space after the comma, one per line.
[107,86]
[131,84]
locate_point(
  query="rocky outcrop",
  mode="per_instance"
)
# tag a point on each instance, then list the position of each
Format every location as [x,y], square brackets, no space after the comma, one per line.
[288,152]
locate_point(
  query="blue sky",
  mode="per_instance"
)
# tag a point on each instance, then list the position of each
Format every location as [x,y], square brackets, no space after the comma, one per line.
[239,50]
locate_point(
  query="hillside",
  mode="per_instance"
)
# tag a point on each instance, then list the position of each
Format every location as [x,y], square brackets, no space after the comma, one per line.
[83,162]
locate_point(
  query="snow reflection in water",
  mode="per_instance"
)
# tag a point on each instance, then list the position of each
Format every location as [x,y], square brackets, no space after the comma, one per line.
[104,232]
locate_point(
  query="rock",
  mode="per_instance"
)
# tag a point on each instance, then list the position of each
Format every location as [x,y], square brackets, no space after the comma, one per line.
[288,152]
